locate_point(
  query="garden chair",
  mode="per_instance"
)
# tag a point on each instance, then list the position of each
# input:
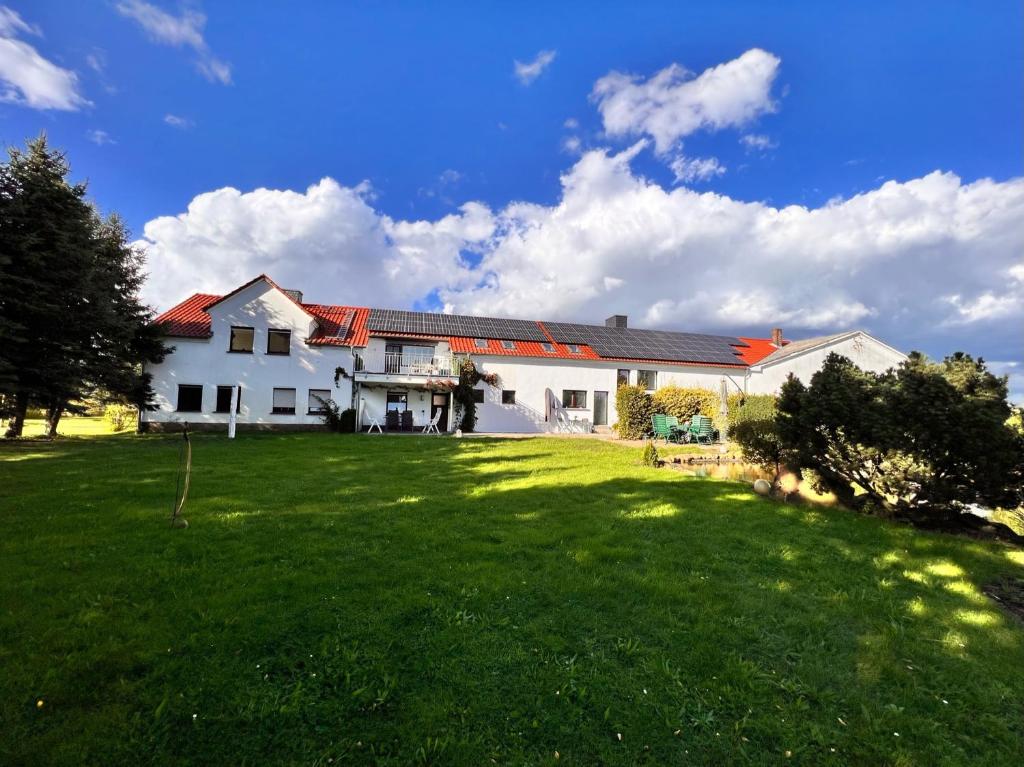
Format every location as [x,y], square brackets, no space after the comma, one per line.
[660,429]
[432,426]
[702,430]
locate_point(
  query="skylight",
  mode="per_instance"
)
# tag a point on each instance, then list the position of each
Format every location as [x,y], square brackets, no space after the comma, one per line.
[548,348]
[481,343]
[574,349]
[508,345]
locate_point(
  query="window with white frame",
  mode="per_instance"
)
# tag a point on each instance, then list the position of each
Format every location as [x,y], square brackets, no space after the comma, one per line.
[622,377]
[317,401]
[647,379]
[574,399]
[284,402]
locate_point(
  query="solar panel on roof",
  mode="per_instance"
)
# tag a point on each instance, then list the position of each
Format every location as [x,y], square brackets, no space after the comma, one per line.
[648,344]
[426,323]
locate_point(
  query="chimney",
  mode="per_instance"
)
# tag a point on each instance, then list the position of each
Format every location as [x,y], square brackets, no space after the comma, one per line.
[616,321]
[294,295]
[777,337]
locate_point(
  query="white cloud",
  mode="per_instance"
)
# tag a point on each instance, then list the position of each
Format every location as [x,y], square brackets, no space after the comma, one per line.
[754,142]
[572,144]
[29,79]
[328,241]
[690,169]
[571,123]
[673,104]
[529,71]
[184,31]
[11,24]
[177,121]
[618,242]
[100,137]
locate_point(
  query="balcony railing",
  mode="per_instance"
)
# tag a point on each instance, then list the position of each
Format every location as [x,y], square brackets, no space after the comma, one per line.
[394,363]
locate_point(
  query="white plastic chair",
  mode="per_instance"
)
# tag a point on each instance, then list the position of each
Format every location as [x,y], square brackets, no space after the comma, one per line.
[432,426]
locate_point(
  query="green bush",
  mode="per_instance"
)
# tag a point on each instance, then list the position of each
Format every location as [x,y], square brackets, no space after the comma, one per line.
[336,419]
[633,405]
[750,407]
[759,443]
[684,403]
[120,417]
[922,441]
[650,456]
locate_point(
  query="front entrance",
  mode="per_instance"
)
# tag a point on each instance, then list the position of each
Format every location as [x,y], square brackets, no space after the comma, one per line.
[600,408]
[440,402]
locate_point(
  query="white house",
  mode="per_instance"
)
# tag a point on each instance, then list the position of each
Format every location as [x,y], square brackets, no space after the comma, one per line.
[286,357]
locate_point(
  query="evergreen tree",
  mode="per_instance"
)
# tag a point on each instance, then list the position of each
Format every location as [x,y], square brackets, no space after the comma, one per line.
[70,313]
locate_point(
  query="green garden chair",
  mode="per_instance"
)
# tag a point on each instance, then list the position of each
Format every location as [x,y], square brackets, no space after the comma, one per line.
[660,429]
[702,430]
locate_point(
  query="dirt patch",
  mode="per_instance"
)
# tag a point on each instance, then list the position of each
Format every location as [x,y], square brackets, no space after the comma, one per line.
[1009,593]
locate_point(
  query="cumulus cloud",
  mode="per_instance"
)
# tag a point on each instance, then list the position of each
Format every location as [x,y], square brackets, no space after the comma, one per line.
[99,137]
[184,31]
[673,103]
[177,121]
[690,169]
[328,240]
[755,142]
[889,259]
[527,72]
[26,77]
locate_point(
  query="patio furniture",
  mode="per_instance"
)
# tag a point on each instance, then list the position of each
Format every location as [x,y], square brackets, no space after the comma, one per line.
[702,429]
[392,420]
[375,424]
[406,420]
[432,426]
[662,430]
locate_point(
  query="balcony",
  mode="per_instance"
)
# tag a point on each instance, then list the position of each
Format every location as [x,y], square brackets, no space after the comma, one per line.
[394,367]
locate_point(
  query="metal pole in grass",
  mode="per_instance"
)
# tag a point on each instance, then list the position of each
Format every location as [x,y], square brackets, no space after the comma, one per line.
[231,411]
[184,458]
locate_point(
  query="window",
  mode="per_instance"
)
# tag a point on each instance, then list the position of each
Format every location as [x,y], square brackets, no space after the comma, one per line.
[279,342]
[510,345]
[574,398]
[224,400]
[481,343]
[241,340]
[478,396]
[548,348]
[508,397]
[622,377]
[284,402]
[315,406]
[574,349]
[398,401]
[648,379]
[190,398]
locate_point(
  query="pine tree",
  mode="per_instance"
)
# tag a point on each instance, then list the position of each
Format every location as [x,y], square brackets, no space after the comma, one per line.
[70,313]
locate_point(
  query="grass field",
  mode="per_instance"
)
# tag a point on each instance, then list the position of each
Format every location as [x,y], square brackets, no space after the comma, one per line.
[69,426]
[397,600]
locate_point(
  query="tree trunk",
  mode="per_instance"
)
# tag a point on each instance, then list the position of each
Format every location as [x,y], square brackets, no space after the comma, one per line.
[53,415]
[17,422]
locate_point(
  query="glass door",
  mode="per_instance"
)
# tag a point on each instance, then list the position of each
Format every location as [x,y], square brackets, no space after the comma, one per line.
[600,408]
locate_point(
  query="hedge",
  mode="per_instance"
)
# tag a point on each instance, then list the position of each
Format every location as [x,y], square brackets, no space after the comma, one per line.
[633,405]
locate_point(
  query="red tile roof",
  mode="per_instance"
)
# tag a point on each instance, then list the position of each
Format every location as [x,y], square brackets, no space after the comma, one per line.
[189,319]
[755,350]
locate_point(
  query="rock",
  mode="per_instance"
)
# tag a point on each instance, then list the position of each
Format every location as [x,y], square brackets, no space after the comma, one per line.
[762,487]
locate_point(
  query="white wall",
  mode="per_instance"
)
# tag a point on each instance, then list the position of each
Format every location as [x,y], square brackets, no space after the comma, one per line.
[531,379]
[865,352]
[375,400]
[209,363]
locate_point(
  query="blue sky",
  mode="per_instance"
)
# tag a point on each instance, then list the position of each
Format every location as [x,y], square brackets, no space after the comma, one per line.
[452,180]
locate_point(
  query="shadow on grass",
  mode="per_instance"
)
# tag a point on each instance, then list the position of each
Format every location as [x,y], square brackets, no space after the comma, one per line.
[460,601]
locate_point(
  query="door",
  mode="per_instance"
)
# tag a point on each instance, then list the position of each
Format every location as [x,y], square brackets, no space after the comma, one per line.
[393,358]
[600,408]
[440,402]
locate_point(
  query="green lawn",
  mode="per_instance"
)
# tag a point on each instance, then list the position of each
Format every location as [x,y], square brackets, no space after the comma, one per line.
[352,599]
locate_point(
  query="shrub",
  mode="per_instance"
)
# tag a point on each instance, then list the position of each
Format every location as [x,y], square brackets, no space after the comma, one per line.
[923,440]
[650,456]
[633,405]
[759,442]
[336,419]
[120,417]
[751,407]
[684,403]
